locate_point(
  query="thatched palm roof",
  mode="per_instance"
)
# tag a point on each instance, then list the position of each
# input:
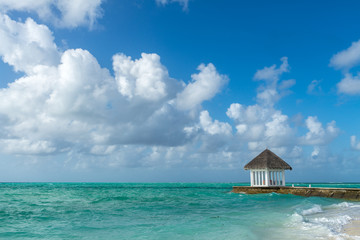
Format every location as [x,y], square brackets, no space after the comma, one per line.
[267,160]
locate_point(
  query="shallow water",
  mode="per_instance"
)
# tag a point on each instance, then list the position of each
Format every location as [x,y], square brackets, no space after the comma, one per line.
[166,211]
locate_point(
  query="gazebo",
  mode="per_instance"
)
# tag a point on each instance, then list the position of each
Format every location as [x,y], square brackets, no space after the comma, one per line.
[267,170]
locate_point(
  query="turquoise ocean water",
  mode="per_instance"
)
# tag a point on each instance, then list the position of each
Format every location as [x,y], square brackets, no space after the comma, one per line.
[167,211]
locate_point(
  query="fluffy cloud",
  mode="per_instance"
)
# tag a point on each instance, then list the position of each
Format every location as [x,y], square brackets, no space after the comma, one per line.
[213,127]
[347,58]
[315,153]
[26,45]
[354,143]
[272,90]
[261,126]
[146,77]
[272,74]
[314,87]
[77,104]
[28,147]
[349,84]
[62,13]
[78,13]
[184,3]
[205,85]
[317,135]
[67,102]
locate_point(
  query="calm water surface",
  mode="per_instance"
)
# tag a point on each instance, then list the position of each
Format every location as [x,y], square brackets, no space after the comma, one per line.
[167,211]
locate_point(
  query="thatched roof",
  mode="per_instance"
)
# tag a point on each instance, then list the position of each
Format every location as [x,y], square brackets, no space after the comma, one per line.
[267,160]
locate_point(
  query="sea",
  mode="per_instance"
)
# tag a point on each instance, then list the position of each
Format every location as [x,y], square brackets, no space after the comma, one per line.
[168,211]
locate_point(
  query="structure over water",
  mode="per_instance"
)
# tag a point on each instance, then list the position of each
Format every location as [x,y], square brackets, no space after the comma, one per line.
[267,175]
[267,169]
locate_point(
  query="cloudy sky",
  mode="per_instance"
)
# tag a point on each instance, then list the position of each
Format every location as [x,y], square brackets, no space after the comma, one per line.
[178,90]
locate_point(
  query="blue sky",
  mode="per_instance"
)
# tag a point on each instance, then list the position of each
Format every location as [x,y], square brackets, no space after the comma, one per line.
[177,90]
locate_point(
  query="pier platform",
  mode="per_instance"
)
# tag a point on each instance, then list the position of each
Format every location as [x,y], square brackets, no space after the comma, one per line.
[352,194]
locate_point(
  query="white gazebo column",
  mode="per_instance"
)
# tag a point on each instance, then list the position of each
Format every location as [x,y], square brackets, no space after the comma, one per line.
[267,178]
[255,178]
[251,178]
[259,183]
[274,177]
[279,174]
[283,177]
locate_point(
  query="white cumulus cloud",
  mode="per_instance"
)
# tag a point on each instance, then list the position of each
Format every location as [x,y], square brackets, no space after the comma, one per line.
[213,127]
[272,74]
[62,13]
[349,84]
[66,102]
[26,45]
[262,126]
[145,77]
[205,85]
[317,134]
[272,91]
[347,58]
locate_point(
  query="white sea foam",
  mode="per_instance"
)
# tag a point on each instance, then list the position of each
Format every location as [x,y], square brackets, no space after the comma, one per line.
[306,230]
[325,222]
[333,223]
[342,205]
[296,218]
[315,209]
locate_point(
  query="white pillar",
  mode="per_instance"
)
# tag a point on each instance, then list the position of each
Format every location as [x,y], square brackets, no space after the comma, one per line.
[264,182]
[267,178]
[279,178]
[259,177]
[251,178]
[283,177]
[256,178]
